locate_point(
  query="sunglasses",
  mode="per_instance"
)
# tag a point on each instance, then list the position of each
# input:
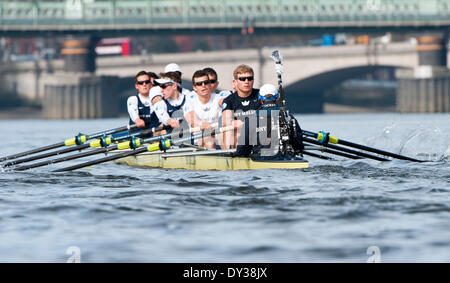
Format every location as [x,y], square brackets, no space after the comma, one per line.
[165,85]
[242,79]
[144,82]
[213,81]
[207,82]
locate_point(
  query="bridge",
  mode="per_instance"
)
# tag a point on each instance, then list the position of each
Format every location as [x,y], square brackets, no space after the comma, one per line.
[108,18]
[308,71]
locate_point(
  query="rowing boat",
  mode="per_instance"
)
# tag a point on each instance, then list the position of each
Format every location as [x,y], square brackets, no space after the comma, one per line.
[192,159]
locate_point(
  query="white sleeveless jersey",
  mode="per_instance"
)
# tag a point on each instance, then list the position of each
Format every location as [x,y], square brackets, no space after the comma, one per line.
[209,112]
[133,105]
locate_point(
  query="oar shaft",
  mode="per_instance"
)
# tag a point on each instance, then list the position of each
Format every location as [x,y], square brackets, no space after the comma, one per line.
[115,156]
[112,131]
[68,142]
[66,158]
[335,152]
[44,155]
[317,155]
[340,148]
[335,140]
[33,151]
[162,144]
[102,160]
[79,147]
[378,151]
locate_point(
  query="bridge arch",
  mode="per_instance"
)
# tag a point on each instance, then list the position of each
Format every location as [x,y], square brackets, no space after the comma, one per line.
[306,95]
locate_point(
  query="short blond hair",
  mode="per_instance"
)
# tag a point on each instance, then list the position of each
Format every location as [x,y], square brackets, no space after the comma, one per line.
[242,69]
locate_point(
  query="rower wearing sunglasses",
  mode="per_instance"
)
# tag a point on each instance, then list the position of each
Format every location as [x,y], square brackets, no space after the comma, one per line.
[212,75]
[169,109]
[235,108]
[202,107]
[173,67]
[139,105]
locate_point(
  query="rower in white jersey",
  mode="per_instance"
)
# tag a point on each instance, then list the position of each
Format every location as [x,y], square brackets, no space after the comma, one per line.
[202,107]
[169,109]
[139,106]
[212,75]
[174,71]
[173,67]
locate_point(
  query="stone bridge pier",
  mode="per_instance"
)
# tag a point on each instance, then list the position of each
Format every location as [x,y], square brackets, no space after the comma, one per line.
[77,92]
[426,88]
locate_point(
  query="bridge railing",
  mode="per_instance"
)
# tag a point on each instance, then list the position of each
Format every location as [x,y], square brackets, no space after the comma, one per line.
[77,12]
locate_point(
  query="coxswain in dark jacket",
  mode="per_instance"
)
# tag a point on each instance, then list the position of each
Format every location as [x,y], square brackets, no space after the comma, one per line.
[268,123]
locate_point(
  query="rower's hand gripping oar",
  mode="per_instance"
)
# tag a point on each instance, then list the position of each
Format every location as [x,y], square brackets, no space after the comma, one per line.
[325,138]
[77,140]
[163,144]
[104,142]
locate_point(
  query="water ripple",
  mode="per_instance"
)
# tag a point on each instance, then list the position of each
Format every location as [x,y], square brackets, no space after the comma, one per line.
[332,211]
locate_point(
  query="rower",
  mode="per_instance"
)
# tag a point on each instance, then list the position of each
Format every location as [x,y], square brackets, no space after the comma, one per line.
[169,109]
[173,67]
[212,75]
[238,106]
[139,105]
[202,107]
[268,123]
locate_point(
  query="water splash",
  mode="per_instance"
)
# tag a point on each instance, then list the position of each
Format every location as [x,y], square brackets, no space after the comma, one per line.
[391,138]
[424,142]
[427,143]
[446,156]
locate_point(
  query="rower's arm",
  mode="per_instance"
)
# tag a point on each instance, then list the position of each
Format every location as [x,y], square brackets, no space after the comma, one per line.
[156,99]
[161,112]
[227,120]
[194,121]
[132,107]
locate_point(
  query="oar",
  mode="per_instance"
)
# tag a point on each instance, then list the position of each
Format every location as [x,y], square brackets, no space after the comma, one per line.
[77,140]
[331,151]
[325,138]
[164,144]
[317,155]
[104,142]
[340,148]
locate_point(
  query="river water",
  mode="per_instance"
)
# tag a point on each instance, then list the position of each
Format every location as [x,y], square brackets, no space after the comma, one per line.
[334,211]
